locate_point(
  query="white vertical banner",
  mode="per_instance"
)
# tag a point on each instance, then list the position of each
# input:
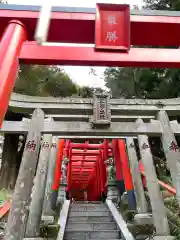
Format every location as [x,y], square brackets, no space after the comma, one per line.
[43,23]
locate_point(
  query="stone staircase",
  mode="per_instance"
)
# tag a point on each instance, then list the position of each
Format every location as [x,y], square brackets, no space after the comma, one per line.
[90,221]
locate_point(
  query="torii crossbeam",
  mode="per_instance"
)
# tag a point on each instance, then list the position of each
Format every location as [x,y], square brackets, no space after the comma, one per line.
[78,26]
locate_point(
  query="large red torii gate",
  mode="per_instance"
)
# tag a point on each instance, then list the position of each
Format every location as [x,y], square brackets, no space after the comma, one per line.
[68,25]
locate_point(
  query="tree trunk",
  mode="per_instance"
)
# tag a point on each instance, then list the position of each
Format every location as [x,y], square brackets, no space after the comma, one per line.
[8,168]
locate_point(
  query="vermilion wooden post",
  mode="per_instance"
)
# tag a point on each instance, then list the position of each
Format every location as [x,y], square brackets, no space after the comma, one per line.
[70,169]
[57,173]
[106,149]
[105,157]
[98,178]
[127,175]
[119,171]
[100,174]
[66,153]
[94,185]
[10,46]
[102,171]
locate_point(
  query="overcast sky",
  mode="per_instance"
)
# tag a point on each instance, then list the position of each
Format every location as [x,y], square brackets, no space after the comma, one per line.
[80,75]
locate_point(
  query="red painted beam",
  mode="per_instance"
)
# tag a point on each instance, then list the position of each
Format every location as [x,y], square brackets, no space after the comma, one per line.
[84,166]
[32,53]
[88,146]
[80,160]
[83,159]
[83,171]
[85,153]
[5,208]
[78,176]
[161,183]
[85,163]
[145,30]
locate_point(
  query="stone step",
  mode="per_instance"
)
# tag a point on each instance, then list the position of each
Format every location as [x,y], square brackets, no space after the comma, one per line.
[88,202]
[91,226]
[90,219]
[86,238]
[84,235]
[88,205]
[88,208]
[89,214]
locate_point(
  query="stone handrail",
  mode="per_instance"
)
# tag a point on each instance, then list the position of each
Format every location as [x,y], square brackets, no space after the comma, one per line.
[120,221]
[63,219]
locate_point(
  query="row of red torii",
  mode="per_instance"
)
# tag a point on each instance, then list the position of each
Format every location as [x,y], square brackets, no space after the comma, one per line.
[17,30]
[106,169]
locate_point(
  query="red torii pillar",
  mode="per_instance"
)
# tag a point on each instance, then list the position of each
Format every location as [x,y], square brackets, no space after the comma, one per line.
[118,164]
[57,173]
[10,46]
[127,175]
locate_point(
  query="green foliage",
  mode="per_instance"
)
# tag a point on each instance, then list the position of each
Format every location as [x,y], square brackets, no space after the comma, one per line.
[58,84]
[146,82]
[3,196]
[162,4]
[143,82]
[47,81]
[44,81]
[88,91]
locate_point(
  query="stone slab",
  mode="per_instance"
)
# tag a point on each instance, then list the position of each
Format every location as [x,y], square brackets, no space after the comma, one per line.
[143,219]
[47,219]
[90,219]
[89,214]
[88,208]
[105,234]
[36,238]
[91,226]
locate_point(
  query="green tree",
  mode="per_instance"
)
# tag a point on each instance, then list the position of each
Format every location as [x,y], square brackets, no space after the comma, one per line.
[143,82]
[47,81]
[87,92]
[58,84]
[44,81]
[162,4]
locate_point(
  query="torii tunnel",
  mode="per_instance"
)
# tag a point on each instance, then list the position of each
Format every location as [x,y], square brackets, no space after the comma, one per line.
[87,171]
